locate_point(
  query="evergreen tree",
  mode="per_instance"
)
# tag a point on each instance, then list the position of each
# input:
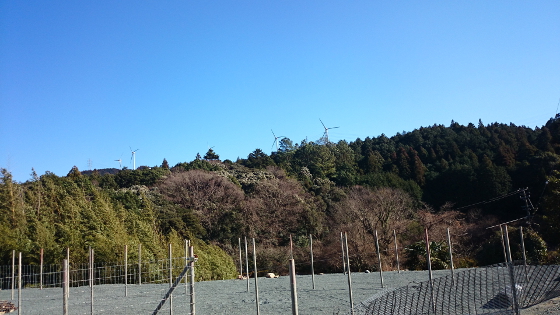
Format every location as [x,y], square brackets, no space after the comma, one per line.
[211,155]
[74,172]
[164,164]
[258,159]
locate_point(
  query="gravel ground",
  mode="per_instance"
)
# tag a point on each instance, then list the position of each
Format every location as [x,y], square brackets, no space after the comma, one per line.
[220,297]
[231,297]
[545,308]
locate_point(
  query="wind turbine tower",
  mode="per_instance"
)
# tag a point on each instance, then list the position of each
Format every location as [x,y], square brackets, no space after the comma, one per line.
[326,134]
[133,158]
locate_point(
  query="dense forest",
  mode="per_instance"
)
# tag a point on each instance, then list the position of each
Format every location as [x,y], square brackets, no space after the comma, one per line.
[467,178]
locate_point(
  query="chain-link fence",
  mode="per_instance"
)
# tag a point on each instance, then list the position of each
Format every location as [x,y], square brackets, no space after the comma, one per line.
[498,289]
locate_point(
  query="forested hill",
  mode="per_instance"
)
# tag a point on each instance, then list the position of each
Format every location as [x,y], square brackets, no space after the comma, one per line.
[438,176]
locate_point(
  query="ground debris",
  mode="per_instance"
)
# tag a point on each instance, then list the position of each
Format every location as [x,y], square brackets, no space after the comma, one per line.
[7,307]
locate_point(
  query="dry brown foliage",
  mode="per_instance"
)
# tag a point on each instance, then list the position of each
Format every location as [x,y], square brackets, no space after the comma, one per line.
[277,208]
[365,211]
[208,194]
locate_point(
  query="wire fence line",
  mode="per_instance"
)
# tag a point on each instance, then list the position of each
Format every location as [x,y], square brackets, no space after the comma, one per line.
[484,290]
[154,272]
[132,288]
[99,288]
[487,290]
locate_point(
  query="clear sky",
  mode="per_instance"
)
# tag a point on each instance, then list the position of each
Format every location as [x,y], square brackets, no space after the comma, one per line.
[83,82]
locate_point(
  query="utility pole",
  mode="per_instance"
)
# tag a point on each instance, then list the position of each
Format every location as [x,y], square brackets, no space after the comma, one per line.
[524,195]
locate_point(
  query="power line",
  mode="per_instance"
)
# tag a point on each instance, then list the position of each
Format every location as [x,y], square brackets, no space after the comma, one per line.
[492,199]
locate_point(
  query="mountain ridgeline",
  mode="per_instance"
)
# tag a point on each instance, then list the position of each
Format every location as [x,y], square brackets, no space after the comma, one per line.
[463,177]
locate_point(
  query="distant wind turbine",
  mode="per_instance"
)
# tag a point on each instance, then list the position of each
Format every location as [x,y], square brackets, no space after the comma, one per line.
[275,140]
[326,134]
[120,163]
[133,158]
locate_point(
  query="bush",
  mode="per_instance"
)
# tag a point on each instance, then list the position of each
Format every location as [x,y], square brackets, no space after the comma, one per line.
[492,252]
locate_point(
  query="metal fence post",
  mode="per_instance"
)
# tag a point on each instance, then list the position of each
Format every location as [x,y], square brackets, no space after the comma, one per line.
[125,270]
[312,268]
[293,286]
[379,258]
[345,249]
[68,258]
[191,263]
[91,278]
[65,287]
[41,270]
[503,244]
[397,251]
[451,256]
[19,284]
[170,279]
[240,259]
[13,272]
[140,264]
[256,282]
[247,263]
[429,260]
[343,253]
[511,273]
[524,255]
[186,264]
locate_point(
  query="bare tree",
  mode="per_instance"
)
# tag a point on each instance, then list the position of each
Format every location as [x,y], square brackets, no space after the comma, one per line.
[364,211]
[277,208]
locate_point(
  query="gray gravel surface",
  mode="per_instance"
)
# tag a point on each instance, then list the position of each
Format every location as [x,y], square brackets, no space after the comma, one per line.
[546,308]
[331,296]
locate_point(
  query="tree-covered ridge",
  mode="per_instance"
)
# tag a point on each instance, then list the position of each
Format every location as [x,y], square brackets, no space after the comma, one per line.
[459,164]
[55,213]
[433,177]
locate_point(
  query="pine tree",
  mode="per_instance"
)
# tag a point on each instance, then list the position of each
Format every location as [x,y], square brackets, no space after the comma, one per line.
[164,164]
[211,155]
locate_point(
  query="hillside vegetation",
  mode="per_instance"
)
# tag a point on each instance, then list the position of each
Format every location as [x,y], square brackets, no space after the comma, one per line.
[463,177]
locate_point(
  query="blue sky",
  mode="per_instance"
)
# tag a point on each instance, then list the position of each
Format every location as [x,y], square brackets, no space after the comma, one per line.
[82,82]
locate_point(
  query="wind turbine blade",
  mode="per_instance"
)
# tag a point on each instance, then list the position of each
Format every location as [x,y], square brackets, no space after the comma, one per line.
[322,123]
[275,137]
[333,127]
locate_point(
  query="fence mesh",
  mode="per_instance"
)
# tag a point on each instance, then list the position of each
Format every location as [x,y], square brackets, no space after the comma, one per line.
[497,289]
[114,291]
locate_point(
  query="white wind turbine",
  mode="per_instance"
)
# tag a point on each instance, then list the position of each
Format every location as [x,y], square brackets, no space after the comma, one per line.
[133,158]
[120,163]
[275,140]
[326,134]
